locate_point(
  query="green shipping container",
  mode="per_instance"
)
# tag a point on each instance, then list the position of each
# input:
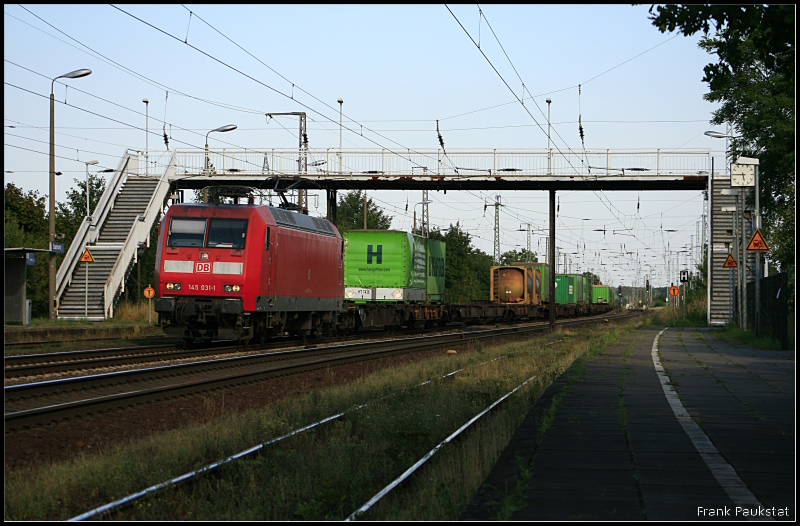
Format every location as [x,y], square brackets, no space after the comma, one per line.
[601,293]
[577,289]
[565,289]
[436,267]
[587,289]
[385,265]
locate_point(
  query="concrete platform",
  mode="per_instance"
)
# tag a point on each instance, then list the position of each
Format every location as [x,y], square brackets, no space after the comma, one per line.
[618,449]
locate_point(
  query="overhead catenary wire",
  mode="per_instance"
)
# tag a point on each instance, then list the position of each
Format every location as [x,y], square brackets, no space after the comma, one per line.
[524,107]
[527,213]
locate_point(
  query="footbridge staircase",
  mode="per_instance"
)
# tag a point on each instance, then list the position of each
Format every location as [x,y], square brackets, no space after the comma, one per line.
[115,235]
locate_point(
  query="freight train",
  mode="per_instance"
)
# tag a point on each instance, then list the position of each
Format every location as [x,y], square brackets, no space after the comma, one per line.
[252,272]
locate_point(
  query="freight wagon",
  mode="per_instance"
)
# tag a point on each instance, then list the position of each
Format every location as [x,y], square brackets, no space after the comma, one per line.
[524,290]
[389,266]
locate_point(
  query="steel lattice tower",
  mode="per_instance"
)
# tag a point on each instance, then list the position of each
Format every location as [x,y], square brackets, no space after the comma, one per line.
[425,217]
[497,206]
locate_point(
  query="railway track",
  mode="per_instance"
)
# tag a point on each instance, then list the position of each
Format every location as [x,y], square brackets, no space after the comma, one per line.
[44,343]
[40,403]
[30,366]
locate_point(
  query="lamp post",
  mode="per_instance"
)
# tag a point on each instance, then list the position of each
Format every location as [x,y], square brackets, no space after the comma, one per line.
[340,101]
[221,129]
[549,168]
[147,135]
[87,163]
[52,278]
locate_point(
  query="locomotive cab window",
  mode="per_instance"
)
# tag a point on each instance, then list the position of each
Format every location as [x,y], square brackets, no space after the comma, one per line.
[227,233]
[185,232]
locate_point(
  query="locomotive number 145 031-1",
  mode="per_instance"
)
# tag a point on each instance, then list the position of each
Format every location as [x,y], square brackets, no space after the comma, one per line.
[202,287]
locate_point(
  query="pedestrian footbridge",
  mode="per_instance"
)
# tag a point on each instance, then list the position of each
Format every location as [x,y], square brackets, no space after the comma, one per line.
[142,185]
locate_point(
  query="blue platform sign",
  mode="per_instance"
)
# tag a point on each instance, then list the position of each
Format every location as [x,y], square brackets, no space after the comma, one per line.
[57,247]
[30,258]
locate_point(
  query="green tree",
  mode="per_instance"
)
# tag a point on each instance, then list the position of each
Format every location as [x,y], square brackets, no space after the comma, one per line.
[754,80]
[28,212]
[350,213]
[513,256]
[467,269]
[25,224]
[71,214]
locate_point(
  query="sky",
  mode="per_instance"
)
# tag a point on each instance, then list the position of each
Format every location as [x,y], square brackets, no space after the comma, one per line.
[398,69]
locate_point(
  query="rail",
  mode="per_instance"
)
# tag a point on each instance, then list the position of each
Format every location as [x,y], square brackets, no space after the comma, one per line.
[90,229]
[461,164]
[139,233]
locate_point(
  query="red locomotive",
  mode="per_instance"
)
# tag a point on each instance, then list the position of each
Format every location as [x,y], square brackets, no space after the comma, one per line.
[247,272]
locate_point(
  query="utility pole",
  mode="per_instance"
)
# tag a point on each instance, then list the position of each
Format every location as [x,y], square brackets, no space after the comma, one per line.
[551,308]
[496,206]
[549,164]
[528,255]
[425,217]
[302,160]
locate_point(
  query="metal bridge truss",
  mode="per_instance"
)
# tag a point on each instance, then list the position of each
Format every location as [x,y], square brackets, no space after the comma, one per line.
[496,169]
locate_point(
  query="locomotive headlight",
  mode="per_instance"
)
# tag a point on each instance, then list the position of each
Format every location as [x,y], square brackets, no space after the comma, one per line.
[203,255]
[173,286]
[232,288]
[236,288]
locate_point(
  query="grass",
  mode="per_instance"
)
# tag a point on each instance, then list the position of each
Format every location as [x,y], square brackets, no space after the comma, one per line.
[136,313]
[131,318]
[731,332]
[124,314]
[669,317]
[328,472]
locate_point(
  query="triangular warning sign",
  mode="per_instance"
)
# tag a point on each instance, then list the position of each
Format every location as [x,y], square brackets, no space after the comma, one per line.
[87,256]
[757,243]
[730,262]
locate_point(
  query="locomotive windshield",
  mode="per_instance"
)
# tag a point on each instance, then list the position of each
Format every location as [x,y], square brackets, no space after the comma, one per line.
[186,232]
[227,233]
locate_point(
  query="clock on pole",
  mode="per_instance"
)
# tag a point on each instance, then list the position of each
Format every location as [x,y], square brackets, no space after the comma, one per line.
[743,175]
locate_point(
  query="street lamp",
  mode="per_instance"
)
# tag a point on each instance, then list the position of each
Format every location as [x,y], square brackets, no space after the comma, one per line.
[87,163]
[78,73]
[147,135]
[221,129]
[340,101]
